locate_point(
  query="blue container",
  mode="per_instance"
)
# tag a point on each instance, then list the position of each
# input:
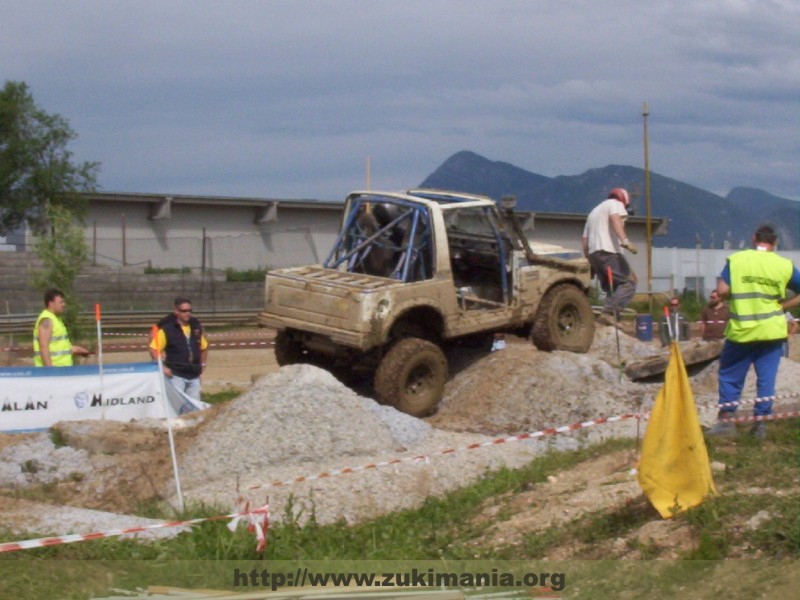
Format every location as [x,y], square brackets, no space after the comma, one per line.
[644,328]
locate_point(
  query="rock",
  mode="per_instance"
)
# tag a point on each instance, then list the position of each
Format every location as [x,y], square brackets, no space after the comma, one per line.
[757,520]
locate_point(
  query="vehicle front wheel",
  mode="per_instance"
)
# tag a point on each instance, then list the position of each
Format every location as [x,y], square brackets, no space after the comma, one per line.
[411,376]
[564,320]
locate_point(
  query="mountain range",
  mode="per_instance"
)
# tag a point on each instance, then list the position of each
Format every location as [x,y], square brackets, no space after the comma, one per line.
[695,215]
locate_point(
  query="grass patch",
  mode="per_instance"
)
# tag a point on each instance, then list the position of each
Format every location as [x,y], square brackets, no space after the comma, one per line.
[167,270]
[234,275]
[221,396]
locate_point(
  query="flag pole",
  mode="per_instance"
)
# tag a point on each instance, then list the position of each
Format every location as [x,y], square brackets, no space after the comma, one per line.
[169,418]
[616,319]
[99,343]
[669,324]
[100,351]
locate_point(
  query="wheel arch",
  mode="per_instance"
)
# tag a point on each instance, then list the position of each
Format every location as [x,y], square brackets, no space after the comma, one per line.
[424,322]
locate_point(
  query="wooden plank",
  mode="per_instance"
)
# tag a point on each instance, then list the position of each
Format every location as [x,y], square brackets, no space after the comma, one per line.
[693,352]
[305,593]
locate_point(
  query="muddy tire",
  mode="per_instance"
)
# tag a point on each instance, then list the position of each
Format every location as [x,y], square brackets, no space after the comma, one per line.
[411,376]
[564,321]
[288,351]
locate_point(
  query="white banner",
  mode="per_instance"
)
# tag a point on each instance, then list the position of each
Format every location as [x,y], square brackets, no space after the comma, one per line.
[34,398]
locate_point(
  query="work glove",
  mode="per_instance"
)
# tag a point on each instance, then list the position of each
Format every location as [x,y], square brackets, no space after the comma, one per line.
[629,245]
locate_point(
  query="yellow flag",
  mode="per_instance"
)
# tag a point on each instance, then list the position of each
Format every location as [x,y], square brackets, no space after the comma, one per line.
[674,471]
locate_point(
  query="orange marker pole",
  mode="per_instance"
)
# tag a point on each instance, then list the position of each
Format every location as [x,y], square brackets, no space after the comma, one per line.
[99,338]
[163,385]
[669,324]
[100,350]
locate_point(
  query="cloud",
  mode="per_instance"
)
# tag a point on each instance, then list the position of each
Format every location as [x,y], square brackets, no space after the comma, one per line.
[287,98]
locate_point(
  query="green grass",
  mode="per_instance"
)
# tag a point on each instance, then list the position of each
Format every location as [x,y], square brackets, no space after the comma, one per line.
[167,270]
[221,396]
[234,275]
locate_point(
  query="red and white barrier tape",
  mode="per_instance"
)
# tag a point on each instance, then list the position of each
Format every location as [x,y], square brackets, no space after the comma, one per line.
[757,400]
[495,442]
[772,417]
[234,334]
[448,451]
[260,529]
[725,322]
[210,345]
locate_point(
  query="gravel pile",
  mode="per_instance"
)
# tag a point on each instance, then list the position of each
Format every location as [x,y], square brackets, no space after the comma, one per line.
[521,389]
[38,461]
[21,516]
[301,422]
[302,414]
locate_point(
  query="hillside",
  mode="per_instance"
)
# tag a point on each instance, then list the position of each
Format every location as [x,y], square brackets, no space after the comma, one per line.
[694,213]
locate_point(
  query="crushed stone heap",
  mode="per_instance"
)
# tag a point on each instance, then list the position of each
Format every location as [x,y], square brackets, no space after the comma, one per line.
[302,414]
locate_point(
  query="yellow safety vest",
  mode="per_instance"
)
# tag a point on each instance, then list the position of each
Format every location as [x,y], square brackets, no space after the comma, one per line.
[60,347]
[758,282]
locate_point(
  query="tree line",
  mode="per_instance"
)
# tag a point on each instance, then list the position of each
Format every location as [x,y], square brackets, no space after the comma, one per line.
[40,187]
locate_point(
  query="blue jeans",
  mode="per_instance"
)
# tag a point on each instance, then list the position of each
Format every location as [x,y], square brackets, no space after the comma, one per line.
[734,363]
[190,387]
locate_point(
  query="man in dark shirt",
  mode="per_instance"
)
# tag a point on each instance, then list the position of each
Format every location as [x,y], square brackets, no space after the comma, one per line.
[714,318]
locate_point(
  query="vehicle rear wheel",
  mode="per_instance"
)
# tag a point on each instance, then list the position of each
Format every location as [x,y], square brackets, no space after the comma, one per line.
[288,350]
[564,320]
[411,376]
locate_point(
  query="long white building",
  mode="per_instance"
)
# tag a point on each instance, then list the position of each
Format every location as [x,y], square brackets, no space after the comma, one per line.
[204,232]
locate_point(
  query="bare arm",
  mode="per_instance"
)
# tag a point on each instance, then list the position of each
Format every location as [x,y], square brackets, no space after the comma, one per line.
[618,227]
[585,246]
[44,334]
[723,289]
[790,304]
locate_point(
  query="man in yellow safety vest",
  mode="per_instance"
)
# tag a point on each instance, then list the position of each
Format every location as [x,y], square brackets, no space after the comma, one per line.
[51,345]
[756,281]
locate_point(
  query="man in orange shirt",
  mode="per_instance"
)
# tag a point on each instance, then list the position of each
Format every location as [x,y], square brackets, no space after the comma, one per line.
[184,348]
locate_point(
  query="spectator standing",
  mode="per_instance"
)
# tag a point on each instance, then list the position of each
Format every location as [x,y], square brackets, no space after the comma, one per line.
[714,318]
[602,241]
[756,281]
[51,345]
[184,348]
[677,322]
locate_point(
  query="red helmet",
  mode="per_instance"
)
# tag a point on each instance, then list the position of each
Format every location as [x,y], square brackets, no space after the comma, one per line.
[620,194]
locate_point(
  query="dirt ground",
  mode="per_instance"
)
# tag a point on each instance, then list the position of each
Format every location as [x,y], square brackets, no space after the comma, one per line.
[132,463]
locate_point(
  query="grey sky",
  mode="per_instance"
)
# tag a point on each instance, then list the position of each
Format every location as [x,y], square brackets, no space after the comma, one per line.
[288,98]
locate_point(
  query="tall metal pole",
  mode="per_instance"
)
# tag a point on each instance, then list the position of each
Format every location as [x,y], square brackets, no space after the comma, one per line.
[124,243]
[646,114]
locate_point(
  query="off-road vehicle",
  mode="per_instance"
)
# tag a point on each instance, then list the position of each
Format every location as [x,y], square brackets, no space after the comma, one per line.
[411,272]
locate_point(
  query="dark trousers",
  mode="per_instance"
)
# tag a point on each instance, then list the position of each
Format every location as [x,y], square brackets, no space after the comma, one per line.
[621,274]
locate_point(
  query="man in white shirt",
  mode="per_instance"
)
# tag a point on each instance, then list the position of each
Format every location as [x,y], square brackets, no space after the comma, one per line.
[602,241]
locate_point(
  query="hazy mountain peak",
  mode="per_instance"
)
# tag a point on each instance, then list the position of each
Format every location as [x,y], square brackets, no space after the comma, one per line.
[692,211]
